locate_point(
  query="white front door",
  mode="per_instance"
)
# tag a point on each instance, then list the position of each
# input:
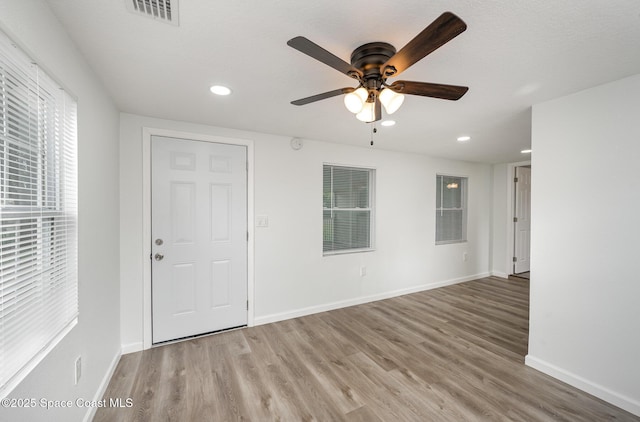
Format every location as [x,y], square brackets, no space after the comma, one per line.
[522,242]
[199,237]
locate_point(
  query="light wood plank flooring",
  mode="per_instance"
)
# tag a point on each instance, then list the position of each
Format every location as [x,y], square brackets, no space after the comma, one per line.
[449,354]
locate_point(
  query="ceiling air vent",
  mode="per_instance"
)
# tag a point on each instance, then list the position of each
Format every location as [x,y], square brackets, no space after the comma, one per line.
[162,10]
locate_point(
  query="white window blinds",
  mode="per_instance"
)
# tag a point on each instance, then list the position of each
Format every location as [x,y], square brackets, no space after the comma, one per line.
[38,214]
[451,209]
[347,209]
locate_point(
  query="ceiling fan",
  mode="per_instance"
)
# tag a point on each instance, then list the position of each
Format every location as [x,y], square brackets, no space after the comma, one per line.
[372,63]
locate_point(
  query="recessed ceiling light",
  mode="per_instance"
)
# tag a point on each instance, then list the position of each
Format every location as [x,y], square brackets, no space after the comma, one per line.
[220,90]
[464,138]
[388,123]
[525,151]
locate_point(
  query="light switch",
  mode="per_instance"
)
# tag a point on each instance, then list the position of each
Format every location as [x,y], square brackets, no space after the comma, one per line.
[262,221]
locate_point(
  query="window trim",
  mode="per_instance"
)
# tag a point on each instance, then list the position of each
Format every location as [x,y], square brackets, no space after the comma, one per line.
[371,209]
[464,208]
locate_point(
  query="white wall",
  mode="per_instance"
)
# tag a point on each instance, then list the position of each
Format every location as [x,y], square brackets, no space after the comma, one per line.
[585,315]
[96,337]
[291,275]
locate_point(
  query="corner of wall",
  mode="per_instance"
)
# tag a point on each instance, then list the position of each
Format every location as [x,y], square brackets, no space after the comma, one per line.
[102,388]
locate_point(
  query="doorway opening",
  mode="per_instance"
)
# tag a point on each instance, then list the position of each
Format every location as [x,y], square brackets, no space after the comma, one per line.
[522,222]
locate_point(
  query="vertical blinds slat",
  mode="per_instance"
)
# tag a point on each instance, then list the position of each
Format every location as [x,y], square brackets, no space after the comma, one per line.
[38,212]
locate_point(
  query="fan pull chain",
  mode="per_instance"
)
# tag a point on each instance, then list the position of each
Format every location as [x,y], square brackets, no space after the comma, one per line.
[373,130]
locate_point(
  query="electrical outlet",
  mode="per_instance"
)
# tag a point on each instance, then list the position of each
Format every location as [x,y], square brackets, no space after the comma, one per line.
[464,256]
[78,369]
[363,271]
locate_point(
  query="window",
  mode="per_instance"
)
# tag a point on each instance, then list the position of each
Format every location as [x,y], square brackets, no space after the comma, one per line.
[451,209]
[347,208]
[38,214]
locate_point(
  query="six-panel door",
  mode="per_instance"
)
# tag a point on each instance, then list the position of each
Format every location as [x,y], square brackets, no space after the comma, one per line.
[199,237]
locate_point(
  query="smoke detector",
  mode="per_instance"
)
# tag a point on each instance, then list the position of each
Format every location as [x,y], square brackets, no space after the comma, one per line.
[162,10]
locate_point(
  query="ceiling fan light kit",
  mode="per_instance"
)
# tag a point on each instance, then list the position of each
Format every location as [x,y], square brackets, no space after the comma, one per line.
[367,114]
[354,101]
[373,63]
[391,100]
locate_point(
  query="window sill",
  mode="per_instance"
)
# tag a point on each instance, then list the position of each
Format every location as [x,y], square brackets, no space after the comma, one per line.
[348,251]
[450,242]
[18,377]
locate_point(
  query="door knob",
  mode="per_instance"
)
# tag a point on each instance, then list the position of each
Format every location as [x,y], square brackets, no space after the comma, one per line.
[158,256]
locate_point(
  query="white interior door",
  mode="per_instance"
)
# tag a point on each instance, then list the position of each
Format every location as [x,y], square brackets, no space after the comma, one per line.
[522,241]
[199,237]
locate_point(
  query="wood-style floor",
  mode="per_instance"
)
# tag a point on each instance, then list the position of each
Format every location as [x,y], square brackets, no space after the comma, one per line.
[449,354]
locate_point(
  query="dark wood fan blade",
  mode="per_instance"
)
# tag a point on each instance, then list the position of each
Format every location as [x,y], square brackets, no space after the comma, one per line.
[324,95]
[312,49]
[446,92]
[445,28]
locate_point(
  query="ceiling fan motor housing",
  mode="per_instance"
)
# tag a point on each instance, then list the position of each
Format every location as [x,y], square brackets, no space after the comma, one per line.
[369,58]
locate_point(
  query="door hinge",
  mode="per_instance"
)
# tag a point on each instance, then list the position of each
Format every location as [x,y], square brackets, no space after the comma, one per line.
[515,180]
[515,259]
[247,304]
[515,219]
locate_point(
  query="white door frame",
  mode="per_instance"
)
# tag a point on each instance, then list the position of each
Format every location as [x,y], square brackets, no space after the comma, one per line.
[511,174]
[147,133]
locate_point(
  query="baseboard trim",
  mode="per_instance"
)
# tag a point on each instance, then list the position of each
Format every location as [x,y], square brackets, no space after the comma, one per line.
[499,274]
[620,400]
[296,313]
[132,348]
[91,411]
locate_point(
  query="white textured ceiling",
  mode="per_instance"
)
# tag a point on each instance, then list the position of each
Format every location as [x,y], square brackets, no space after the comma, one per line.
[515,53]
